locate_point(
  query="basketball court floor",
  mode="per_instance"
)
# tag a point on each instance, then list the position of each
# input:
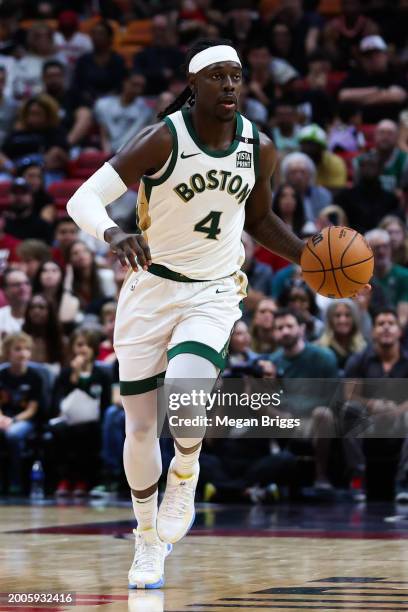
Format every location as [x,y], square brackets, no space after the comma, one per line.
[281,558]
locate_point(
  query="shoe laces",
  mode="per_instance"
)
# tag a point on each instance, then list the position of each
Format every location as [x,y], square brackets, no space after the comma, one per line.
[177,499]
[147,554]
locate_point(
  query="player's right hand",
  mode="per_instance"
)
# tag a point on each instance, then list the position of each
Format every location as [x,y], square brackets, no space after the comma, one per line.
[130,248]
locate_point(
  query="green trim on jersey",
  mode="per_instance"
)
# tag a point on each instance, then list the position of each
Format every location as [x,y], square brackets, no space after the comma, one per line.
[152,182]
[190,128]
[163,272]
[255,135]
[202,350]
[134,387]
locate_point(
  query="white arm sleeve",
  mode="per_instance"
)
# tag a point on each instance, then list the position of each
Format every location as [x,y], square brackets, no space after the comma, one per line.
[87,205]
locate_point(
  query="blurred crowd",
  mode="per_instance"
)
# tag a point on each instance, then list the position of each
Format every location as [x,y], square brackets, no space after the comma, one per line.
[327,81]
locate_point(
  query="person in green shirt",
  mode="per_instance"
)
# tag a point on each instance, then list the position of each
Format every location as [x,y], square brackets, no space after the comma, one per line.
[309,399]
[392,277]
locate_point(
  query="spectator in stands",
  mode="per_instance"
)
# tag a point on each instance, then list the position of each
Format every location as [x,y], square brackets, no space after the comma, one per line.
[159,62]
[75,114]
[366,203]
[57,289]
[90,284]
[398,233]
[77,440]
[300,298]
[113,438]
[69,42]
[120,117]
[242,26]
[285,130]
[343,34]
[392,277]
[101,71]
[66,232]
[375,85]
[342,333]
[39,135]
[299,171]
[8,246]
[288,205]
[21,219]
[32,254]
[393,161]
[260,81]
[241,359]
[304,28]
[318,90]
[299,359]
[108,316]
[8,108]
[12,37]
[41,324]
[259,276]
[403,131]
[33,173]
[331,215]
[252,108]
[331,170]
[262,327]
[40,48]
[344,134]
[17,289]
[20,403]
[383,359]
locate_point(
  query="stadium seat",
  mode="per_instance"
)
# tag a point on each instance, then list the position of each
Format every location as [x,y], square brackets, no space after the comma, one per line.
[4,194]
[347,157]
[61,191]
[368,130]
[329,8]
[138,32]
[27,24]
[86,164]
[128,52]
[87,24]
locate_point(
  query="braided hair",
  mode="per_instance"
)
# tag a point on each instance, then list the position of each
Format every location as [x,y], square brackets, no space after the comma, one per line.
[187,95]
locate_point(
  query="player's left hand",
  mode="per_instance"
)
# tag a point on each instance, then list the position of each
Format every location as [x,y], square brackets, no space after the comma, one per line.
[129,248]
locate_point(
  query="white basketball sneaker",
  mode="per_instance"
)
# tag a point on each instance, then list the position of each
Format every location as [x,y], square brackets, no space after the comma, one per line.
[176,512]
[147,571]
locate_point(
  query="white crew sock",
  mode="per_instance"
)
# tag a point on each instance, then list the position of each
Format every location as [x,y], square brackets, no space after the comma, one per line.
[184,464]
[146,511]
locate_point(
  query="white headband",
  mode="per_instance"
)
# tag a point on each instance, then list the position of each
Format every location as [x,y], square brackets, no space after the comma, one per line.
[213,55]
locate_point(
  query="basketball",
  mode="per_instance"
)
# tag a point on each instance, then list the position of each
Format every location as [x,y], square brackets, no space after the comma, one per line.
[337,262]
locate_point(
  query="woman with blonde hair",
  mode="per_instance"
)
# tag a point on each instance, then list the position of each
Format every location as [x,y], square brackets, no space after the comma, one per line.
[342,333]
[398,237]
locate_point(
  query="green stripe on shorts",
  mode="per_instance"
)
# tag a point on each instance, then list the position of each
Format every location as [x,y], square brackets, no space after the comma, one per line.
[202,350]
[135,387]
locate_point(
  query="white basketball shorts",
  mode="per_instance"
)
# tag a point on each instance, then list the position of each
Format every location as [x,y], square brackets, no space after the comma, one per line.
[163,314]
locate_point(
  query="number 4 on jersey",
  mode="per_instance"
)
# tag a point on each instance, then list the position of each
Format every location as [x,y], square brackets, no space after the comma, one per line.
[209,225]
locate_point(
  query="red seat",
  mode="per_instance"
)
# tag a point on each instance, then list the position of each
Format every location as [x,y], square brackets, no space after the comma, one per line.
[368,130]
[4,194]
[4,188]
[86,164]
[347,157]
[61,191]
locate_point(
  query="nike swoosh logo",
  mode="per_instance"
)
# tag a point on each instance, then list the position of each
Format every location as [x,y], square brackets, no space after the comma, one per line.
[184,156]
[223,291]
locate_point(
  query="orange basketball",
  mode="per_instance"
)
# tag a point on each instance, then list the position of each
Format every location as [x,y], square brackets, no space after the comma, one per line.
[337,262]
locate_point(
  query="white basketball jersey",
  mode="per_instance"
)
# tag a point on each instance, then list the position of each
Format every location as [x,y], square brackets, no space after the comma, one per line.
[192,211]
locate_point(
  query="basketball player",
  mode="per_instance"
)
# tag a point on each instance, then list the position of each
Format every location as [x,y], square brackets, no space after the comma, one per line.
[205,174]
